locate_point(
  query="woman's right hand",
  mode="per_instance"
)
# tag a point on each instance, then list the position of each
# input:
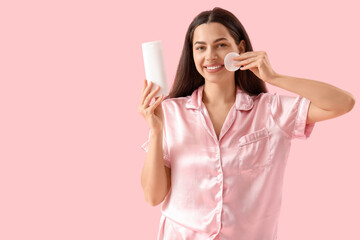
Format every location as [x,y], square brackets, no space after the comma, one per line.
[153,114]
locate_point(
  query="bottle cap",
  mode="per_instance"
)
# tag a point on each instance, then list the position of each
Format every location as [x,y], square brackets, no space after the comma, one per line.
[229,62]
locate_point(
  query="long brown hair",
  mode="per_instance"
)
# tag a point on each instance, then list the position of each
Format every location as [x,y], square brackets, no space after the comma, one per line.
[188,79]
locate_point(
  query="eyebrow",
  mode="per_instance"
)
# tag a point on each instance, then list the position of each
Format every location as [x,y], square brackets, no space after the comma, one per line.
[217,40]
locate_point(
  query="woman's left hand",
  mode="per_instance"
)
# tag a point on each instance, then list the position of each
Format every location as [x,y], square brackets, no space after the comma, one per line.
[258,63]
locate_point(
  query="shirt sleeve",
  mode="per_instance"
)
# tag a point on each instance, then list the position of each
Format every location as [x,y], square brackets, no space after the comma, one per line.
[290,114]
[166,157]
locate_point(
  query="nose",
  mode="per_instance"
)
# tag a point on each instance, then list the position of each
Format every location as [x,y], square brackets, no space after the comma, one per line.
[211,55]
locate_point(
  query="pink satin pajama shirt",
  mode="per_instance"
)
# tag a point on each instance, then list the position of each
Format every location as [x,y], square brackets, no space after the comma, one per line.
[228,188]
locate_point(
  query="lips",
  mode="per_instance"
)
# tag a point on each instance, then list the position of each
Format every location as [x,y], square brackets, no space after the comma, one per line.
[214,68]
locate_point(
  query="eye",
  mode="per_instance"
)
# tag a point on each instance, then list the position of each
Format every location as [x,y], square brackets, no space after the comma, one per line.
[222,45]
[200,48]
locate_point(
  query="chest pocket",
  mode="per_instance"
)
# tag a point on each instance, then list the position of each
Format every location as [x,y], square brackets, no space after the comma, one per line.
[254,150]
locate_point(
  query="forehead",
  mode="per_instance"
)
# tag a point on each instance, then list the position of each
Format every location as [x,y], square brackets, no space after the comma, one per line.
[208,32]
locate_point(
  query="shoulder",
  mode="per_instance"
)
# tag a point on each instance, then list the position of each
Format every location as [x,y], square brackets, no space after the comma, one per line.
[264,97]
[273,97]
[174,110]
[178,102]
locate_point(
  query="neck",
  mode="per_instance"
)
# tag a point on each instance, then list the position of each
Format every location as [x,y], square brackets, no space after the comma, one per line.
[216,94]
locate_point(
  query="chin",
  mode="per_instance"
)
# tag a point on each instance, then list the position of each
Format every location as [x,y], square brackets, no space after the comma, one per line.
[218,78]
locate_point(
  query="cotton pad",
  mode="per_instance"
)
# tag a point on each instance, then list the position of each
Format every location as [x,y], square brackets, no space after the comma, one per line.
[229,62]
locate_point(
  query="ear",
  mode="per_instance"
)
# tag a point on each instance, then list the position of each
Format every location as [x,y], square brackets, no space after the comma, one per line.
[242,46]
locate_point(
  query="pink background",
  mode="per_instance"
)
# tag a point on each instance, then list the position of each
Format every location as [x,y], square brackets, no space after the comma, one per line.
[71,77]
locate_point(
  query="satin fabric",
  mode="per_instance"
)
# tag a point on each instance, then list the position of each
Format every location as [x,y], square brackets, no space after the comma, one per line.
[228,188]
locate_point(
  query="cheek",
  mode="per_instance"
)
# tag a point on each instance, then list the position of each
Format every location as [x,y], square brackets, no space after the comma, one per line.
[197,61]
[198,68]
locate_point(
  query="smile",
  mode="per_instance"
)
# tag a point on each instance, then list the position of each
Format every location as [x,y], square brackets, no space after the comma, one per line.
[212,68]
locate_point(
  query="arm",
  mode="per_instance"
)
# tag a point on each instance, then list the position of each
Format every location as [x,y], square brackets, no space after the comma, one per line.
[155,176]
[327,101]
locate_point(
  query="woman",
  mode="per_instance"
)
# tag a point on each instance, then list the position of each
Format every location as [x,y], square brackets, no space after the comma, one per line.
[220,141]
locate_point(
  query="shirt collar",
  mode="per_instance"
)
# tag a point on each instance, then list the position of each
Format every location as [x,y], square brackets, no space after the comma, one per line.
[243,100]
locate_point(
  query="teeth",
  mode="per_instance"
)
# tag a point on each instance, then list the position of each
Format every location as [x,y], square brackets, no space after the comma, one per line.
[212,68]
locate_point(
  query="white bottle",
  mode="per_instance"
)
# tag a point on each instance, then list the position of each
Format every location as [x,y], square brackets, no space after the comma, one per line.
[155,67]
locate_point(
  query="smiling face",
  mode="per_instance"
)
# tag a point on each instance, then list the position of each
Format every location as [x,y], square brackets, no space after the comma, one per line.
[211,43]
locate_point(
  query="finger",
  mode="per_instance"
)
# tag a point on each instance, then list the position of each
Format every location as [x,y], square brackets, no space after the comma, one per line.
[150,96]
[156,103]
[146,92]
[160,96]
[245,62]
[245,55]
[251,65]
[154,93]
[144,86]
